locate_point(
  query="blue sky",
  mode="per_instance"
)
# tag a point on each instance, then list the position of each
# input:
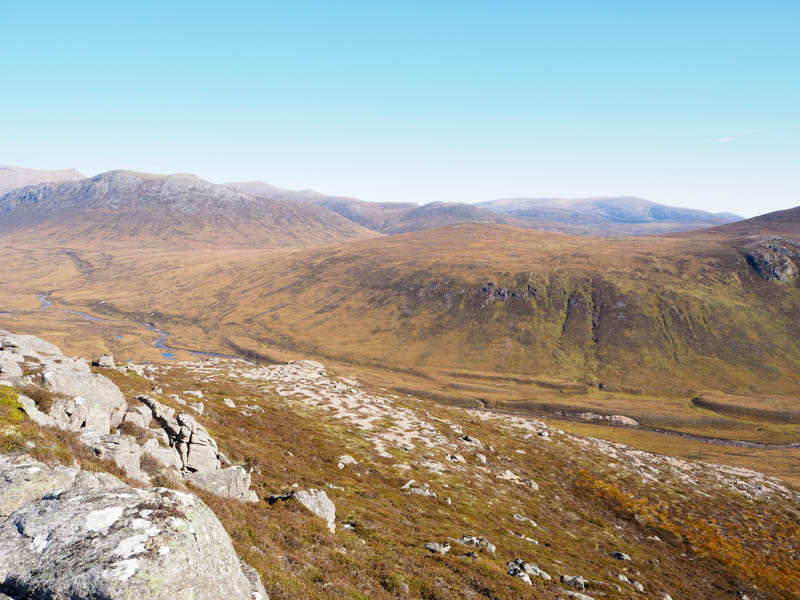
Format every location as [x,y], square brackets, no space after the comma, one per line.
[688,103]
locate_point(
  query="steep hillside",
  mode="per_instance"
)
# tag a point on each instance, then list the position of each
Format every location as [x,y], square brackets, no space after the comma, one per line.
[12,177]
[774,223]
[138,209]
[668,314]
[675,314]
[378,216]
[356,493]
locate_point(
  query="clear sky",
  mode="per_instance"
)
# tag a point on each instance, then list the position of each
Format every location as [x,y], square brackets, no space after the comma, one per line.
[688,103]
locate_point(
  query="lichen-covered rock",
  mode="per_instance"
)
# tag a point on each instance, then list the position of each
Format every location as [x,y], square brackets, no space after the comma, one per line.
[233,482]
[27,345]
[477,542]
[24,480]
[33,412]
[316,501]
[103,539]
[104,403]
[121,449]
[10,367]
[106,361]
[520,566]
[166,456]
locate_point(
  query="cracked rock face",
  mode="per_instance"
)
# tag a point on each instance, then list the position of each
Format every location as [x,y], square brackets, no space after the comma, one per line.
[772,262]
[100,538]
[98,401]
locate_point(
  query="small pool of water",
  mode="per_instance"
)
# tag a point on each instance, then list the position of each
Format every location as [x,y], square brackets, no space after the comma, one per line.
[43,298]
[167,355]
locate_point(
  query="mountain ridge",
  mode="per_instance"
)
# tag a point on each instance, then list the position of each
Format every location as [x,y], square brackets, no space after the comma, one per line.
[600,216]
[143,208]
[12,177]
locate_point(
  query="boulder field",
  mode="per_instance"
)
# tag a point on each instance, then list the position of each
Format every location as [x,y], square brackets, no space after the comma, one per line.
[92,405]
[70,533]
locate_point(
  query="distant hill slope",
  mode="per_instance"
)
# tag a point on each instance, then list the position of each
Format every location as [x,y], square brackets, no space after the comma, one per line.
[267,190]
[372,215]
[672,313]
[596,217]
[140,209]
[778,222]
[717,309]
[440,214]
[12,178]
[598,211]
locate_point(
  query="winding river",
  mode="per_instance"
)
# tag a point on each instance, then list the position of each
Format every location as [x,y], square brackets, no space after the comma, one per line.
[168,353]
[160,343]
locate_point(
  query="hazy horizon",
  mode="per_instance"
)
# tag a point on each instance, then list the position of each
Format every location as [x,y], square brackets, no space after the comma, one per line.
[685,105]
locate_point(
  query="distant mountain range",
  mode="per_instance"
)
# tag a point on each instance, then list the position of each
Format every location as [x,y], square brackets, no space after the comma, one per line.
[140,209]
[603,217]
[12,178]
[457,288]
[600,211]
[126,207]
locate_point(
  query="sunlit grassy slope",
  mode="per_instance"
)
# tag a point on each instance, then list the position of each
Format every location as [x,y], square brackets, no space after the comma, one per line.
[672,314]
[475,315]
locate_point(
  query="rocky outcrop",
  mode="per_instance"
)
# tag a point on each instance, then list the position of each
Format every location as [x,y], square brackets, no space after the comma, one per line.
[192,451]
[77,534]
[27,345]
[524,570]
[33,412]
[106,361]
[438,548]
[772,259]
[121,449]
[477,542]
[10,367]
[24,480]
[233,482]
[95,402]
[85,400]
[316,501]
[619,420]
[92,405]
[196,449]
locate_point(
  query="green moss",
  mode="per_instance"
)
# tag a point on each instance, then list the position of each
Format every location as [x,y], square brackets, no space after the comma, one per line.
[10,407]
